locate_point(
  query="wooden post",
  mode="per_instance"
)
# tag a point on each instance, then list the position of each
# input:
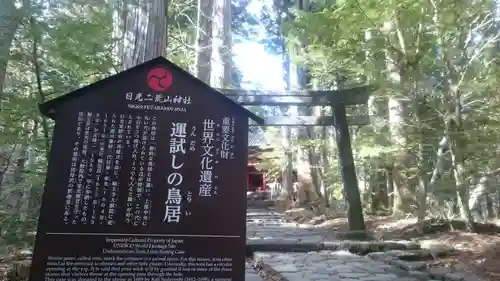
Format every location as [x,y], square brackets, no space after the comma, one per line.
[347,168]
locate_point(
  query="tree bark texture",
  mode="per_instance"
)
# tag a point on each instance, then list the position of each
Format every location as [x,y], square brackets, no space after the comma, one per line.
[203,58]
[10,18]
[142,28]
[221,66]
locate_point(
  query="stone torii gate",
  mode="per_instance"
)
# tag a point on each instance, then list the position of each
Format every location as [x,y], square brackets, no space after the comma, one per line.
[338,100]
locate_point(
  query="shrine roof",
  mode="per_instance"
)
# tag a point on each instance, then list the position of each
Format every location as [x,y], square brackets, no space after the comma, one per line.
[256,137]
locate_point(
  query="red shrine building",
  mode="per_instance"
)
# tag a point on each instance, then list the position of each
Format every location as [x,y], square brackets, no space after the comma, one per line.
[257,186]
[256,176]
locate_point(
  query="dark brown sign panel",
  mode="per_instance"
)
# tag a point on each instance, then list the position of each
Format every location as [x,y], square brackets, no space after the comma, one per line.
[146,181]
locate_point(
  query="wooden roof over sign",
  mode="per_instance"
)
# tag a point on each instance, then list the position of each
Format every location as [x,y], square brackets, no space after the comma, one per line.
[51,107]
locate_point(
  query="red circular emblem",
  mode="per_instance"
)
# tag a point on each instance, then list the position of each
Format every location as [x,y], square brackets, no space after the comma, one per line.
[159,79]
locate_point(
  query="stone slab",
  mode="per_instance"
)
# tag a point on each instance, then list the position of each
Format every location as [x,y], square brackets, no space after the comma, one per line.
[330,265]
[293,252]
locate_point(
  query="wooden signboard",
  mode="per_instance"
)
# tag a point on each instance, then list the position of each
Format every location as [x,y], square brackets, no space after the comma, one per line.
[146,181]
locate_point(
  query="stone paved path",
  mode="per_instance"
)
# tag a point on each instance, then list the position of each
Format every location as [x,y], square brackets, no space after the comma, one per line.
[266,226]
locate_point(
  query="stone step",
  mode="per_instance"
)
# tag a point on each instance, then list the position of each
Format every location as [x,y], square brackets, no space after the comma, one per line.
[356,247]
[332,266]
[409,265]
[263,214]
[265,222]
[410,255]
[414,262]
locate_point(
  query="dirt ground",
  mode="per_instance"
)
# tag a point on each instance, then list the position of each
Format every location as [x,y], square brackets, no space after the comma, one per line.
[474,252]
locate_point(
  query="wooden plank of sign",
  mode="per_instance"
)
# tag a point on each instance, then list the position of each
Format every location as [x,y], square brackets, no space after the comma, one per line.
[311,121]
[352,96]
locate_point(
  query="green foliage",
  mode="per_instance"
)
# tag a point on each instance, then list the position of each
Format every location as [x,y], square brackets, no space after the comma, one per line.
[182,32]
[58,47]
[417,52]
[435,47]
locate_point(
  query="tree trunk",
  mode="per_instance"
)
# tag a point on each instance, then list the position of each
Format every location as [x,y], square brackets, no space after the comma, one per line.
[396,121]
[479,198]
[15,169]
[9,173]
[203,58]
[389,172]
[313,157]
[438,164]
[419,104]
[458,144]
[325,161]
[314,150]
[143,29]
[10,18]
[28,165]
[378,190]
[397,115]
[375,56]
[462,188]
[6,156]
[496,198]
[307,190]
[457,159]
[286,173]
[307,180]
[422,189]
[221,65]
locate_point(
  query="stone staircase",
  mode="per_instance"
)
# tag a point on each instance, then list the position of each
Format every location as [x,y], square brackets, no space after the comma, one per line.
[400,260]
